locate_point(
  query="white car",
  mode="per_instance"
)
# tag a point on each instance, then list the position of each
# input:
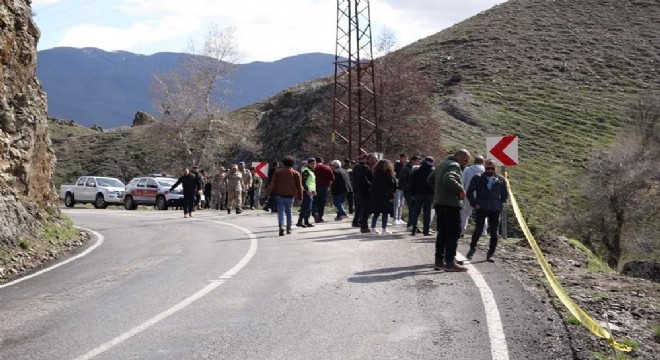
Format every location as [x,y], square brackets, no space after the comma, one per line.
[153,189]
[97,190]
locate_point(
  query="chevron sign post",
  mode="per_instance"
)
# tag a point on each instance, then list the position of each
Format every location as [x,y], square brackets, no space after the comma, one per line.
[503,149]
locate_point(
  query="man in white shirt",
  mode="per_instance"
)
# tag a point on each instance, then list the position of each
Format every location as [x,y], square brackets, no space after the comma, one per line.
[476,169]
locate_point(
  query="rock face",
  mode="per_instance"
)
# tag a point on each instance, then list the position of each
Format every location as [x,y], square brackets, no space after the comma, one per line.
[26,157]
[642,269]
[142,118]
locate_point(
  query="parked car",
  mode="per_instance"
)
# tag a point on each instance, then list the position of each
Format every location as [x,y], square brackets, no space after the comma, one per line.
[97,190]
[153,189]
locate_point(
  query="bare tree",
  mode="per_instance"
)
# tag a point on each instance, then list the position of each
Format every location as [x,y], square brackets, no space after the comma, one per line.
[190,98]
[620,187]
[406,118]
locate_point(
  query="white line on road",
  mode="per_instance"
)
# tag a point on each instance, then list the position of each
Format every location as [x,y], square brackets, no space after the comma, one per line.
[99,241]
[498,348]
[183,304]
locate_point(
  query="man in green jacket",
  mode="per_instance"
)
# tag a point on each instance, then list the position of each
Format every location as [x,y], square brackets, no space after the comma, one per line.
[448,203]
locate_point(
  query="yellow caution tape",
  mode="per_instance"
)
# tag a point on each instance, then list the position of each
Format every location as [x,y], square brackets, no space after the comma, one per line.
[580,314]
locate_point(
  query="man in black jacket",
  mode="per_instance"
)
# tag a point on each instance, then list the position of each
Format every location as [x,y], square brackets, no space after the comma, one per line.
[190,186]
[363,177]
[404,184]
[422,196]
[340,187]
[491,195]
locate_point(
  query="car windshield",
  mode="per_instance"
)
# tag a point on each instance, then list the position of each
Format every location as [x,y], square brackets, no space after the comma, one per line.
[109,182]
[166,182]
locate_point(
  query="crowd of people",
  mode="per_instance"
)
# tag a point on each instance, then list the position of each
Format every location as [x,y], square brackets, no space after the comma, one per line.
[371,189]
[237,189]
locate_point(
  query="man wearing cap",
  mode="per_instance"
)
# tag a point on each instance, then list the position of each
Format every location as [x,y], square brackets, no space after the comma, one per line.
[324,179]
[234,190]
[247,183]
[309,191]
[218,189]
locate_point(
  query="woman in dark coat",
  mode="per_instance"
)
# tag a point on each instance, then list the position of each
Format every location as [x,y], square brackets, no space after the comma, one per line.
[381,195]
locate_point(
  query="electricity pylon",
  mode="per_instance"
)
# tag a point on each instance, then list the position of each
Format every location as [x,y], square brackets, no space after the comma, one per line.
[354,116]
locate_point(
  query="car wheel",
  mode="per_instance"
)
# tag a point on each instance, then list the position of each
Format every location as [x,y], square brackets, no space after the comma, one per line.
[161,204]
[129,204]
[99,202]
[69,201]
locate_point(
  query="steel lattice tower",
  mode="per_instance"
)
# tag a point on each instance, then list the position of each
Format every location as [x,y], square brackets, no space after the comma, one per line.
[354,116]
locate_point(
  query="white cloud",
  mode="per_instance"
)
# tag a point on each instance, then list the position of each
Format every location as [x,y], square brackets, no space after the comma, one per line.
[265,29]
[140,33]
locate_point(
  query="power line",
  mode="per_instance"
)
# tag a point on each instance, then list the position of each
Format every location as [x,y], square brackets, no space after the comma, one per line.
[48,7]
[50,30]
[63,11]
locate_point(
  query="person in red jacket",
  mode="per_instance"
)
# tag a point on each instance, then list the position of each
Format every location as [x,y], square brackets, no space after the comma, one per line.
[324,179]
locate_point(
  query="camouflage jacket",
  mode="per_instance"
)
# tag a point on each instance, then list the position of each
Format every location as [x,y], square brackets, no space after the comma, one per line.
[235,181]
[219,182]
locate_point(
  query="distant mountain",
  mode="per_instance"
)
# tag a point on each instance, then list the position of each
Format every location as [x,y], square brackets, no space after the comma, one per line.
[92,86]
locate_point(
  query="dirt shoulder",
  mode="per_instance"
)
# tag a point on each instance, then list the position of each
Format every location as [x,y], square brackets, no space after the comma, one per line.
[631,305]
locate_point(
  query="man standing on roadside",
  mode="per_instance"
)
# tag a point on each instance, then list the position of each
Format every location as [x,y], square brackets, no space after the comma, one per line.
[364,177]
[340,187]
[476,169]
[324,179]
[356,174]
[235,190]
[200,187]
[448,202]
[404,184]
[487,193]
[247,183]
[309,191]
[218,189]
[190,187]
[285,185]
[398,196]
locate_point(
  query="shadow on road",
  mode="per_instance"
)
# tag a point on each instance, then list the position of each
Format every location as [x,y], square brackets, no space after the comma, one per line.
[389,274]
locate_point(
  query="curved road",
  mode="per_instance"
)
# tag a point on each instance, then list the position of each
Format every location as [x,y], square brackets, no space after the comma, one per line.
[221,286]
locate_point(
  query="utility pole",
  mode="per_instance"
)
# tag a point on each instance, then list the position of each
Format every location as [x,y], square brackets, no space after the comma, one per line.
[354,116]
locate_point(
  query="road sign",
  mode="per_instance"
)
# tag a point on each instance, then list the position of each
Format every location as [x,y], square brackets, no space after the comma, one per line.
[261,169]
[503,149]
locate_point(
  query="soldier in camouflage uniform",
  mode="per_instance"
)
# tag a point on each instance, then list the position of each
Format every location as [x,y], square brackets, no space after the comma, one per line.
[218,189]
[247,182]
[235,190]
[254,193]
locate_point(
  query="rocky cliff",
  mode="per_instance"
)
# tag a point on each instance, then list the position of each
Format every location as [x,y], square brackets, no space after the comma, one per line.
[26,157]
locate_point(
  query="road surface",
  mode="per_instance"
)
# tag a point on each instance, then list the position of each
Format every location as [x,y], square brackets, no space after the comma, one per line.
[153,285]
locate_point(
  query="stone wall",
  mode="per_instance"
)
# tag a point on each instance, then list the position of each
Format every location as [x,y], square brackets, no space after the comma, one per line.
[26,156]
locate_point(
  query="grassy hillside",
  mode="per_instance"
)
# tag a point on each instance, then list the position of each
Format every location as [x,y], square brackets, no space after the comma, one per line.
[557,74]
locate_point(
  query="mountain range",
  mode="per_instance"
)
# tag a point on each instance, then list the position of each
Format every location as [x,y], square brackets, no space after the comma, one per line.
[96,87]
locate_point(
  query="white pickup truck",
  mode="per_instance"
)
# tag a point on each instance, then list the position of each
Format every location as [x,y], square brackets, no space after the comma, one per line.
[97,190]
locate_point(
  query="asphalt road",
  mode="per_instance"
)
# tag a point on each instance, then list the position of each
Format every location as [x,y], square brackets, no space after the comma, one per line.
[218,286]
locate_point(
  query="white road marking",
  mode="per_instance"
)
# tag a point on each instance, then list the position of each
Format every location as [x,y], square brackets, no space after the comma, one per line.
[498,347]
[99,241]
[183,304]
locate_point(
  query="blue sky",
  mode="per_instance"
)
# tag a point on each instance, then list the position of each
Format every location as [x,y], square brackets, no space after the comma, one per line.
[266,30]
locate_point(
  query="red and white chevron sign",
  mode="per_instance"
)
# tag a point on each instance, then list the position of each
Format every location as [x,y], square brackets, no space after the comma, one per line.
[261,169]
[503,149]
